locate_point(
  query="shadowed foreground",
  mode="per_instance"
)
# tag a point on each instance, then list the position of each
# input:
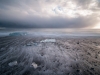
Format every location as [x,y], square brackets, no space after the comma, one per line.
[67,56]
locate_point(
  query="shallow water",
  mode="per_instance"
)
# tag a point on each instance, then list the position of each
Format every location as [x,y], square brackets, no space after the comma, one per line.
[53,32]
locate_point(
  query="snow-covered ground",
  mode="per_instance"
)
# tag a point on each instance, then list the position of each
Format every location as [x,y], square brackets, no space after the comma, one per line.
[49,56]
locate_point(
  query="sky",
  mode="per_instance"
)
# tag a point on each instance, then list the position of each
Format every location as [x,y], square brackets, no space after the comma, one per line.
[50,14]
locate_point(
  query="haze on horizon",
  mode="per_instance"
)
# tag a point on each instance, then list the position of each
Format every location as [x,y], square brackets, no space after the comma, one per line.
[50,14]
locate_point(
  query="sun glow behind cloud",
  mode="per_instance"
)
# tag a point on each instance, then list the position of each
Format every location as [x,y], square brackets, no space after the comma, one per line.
[97,26]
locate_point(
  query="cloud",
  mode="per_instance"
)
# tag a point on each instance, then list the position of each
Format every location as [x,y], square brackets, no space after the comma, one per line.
[49,13]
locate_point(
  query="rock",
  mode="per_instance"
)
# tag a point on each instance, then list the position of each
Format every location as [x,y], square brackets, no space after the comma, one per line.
[77,71]
[92,69]
[77,42]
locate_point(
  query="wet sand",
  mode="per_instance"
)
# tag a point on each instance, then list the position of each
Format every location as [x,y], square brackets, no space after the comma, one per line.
[67,56]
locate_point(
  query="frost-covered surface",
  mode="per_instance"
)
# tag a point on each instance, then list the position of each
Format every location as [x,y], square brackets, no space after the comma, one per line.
[67,56]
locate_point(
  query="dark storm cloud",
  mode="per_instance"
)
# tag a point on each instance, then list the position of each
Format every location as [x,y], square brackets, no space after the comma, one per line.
[54,22]
[48,14]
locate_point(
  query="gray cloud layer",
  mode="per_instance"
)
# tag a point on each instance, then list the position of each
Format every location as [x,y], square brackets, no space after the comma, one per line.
[49,13]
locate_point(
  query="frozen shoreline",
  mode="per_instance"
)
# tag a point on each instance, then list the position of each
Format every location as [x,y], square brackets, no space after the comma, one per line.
[64,56]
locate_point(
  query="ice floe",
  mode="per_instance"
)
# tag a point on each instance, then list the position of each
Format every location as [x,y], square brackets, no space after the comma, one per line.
[18,34]
[48,40]
[13,63]
[34,65]
[32,43]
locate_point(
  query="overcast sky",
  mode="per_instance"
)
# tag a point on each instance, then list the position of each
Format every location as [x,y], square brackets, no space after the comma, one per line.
[50,13]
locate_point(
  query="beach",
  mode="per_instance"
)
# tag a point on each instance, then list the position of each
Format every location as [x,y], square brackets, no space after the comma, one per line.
[21,55]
